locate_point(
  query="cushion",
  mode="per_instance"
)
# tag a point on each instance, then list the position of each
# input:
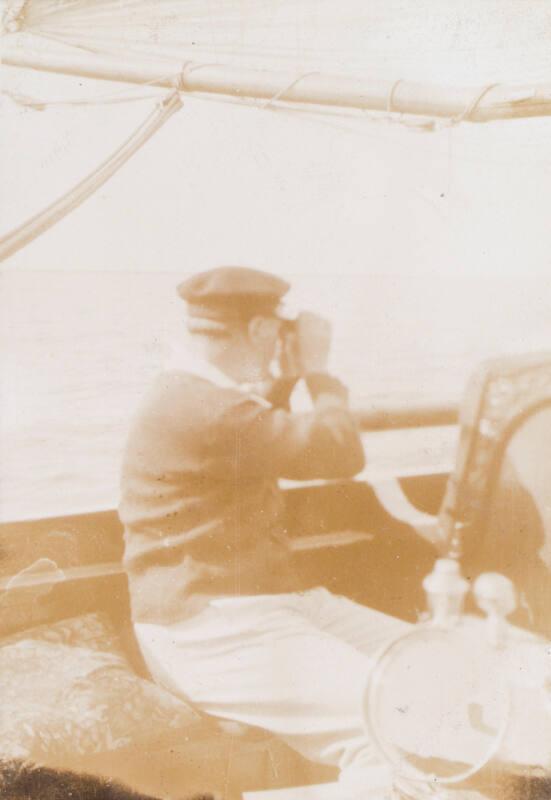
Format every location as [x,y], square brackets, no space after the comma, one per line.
[67,689]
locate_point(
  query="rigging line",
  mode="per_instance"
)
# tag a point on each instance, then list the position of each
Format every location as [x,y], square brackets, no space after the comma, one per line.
[187,68]
[105,98]
[326,118]
[68,39]
[122,96]
[467,114]
[390,99]
[269,104]
[102,50]
[323,116]
[102,99]
[40,105]
[423,123]
[41,222]
[322,120]
[61,40]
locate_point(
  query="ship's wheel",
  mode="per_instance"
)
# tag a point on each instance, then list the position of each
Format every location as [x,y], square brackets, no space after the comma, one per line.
[438,699]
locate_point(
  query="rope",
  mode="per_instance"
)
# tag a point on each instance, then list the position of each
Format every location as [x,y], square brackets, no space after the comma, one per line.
[475,102]
[41,222]
[109,98]
[102,100]
[187,68]
[279,94]
[465,116]
[390,100]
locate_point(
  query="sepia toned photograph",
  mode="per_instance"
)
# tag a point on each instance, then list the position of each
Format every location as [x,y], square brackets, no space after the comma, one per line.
[275,400]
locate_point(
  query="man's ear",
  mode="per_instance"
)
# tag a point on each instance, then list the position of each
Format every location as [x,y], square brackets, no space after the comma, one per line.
[262,329]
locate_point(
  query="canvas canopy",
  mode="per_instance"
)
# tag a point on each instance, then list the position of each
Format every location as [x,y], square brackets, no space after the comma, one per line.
[457,43]
[402,58]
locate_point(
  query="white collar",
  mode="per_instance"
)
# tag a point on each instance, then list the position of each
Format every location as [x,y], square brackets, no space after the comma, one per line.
[183,360]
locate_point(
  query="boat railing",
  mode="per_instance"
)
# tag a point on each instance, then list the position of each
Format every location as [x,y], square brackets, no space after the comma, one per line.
[420,441]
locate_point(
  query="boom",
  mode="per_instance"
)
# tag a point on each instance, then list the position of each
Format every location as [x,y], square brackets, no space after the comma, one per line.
[478,104]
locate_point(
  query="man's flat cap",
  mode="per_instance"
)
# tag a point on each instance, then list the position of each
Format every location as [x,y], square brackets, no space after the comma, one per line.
[227,293]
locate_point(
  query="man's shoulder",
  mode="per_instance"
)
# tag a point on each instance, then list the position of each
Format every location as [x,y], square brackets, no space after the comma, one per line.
[182,384]
[189,393]
[180,379]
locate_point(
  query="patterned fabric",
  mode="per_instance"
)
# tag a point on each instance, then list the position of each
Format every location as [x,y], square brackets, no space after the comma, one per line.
[67,689]
[502,392]
[91,631]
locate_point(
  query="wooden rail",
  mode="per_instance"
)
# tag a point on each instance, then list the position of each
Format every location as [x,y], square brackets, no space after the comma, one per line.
[97,534]
[387,416]
[36,571]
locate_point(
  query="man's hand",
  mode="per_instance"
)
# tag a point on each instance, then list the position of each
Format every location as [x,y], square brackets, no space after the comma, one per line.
[313,342]
[288,356]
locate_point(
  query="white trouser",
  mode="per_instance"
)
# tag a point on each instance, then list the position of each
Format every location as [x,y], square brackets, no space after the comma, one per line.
[293,664]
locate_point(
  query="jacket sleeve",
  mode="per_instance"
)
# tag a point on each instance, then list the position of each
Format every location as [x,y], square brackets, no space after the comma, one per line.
[250,440]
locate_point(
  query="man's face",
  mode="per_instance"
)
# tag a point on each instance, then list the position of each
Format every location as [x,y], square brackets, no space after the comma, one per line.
[264,335]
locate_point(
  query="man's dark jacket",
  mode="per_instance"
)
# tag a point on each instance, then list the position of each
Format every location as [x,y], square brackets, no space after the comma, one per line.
[200,503]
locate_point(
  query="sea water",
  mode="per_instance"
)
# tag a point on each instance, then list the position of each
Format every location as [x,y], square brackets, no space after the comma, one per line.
[78,350]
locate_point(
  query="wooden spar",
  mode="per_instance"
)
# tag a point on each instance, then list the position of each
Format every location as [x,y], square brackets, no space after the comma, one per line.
[480,104]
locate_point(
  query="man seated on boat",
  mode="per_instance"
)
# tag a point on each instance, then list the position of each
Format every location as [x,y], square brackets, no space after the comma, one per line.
[217,608]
